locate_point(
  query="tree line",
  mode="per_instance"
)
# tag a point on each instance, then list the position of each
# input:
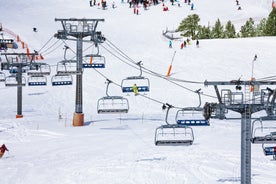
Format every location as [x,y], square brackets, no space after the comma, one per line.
[190,27]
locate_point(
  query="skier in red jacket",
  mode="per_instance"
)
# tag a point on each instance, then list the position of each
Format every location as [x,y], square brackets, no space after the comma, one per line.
[3,148]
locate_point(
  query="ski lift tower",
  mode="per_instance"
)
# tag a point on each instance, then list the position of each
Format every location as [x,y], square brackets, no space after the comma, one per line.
[19,62]
[76,30]
[242,103]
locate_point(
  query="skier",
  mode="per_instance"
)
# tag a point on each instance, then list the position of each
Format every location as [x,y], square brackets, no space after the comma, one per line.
[90,3]
[113,4]
[197,43]
[170,44]
[3,148]
[182,45]
[135,89]
[192,6]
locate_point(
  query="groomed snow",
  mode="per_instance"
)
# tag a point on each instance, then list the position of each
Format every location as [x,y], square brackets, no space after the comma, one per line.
[120,148]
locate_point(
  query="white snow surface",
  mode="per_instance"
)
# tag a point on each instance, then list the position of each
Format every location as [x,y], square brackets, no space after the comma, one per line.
[120,148]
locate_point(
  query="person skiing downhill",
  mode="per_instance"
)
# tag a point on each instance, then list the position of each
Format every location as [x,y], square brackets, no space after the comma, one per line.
[3,148]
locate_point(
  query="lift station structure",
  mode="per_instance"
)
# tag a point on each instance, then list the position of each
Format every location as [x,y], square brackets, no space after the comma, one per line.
[252,100]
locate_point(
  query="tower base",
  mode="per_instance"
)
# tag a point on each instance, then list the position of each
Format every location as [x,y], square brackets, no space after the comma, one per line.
[19,116]
[78,119]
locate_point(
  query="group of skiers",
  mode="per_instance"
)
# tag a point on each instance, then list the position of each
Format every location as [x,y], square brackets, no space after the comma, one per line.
[135,4]
[184,43]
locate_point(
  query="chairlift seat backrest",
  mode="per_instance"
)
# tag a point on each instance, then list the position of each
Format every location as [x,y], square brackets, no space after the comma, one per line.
[62,80]
[174,134]
[194,122]
[191,117]
[2,77]
[112,104]
[269,150]
[11,81]
[37,80]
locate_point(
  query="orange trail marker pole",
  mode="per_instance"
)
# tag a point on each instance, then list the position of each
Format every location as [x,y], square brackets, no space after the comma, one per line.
[91,59]
[170,67]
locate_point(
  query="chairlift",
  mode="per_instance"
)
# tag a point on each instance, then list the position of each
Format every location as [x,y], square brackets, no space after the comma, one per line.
[65,66]
[62,80]
[96,61]
[39,69]
[192,116]
[14,70]
[142,83]
[112,104]
[37,80]
[12,81]
[173,134]
[262,134]
[2,77]
[269,150]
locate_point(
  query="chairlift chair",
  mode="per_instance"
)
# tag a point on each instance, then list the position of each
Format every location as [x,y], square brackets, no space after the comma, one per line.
[96,61]
[11,81]
[39,69]
[173,134]
[142,83]
[67,67]
[37,80]
[2,77]
[112,104]
[269,150]
[14,70]
[262,134]
[62,80]
[191,117]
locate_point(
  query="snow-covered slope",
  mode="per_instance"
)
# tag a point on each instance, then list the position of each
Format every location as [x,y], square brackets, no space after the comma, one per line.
[120,148]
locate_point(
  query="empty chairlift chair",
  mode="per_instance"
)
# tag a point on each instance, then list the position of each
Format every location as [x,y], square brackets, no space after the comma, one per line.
[37,80]
[62,80]
[39,69]
[2,77]
[173,134]
[67,67]
[263,131]
[95,61]
[142,83]
[112,104]
[11,81]
[191,117]
[269,150]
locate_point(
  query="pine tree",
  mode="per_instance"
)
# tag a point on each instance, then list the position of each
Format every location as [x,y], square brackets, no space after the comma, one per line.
[204,32]
[189,26]
[260,30]
[248,29]
[270,28]
[218,30]
[230,31]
